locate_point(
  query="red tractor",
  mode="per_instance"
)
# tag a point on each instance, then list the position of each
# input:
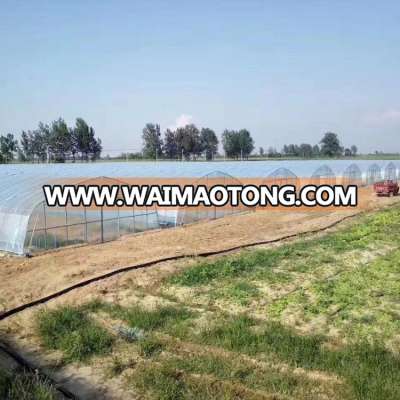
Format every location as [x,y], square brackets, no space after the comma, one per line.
[386,188]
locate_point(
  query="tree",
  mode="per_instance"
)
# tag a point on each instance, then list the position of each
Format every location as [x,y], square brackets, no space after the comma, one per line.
[208,142]
[152,142]
[246,143]
[261,151]
[84,141]
[315,151]
[170,148]
[237,143]
[41,142]
[291,150]
[330,145]
[353,150]
[60,143]
[188,141]
[272,152]
[21,156]
[230,143]
[8,146]
[306,150]
[95,148]
[347,152]
[27,146]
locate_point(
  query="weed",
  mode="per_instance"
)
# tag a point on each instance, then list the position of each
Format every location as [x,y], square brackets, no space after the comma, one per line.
[70,330]
[233,369]
[149,347]
[138,317]
[22,385]
[241,292]
[163,382]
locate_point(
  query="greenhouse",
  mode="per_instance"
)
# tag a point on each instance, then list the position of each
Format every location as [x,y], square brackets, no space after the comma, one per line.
[374,174]
[352,175]
[391,172]
[187,215]
[29,226]
[281,177]
[323,175]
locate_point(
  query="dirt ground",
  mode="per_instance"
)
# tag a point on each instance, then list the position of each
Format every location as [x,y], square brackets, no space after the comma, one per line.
[26,279]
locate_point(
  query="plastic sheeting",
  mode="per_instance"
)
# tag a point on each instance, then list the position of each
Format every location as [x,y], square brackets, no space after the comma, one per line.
[21,190]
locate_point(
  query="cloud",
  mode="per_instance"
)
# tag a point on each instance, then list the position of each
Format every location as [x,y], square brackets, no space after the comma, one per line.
[387,117]
[181,121]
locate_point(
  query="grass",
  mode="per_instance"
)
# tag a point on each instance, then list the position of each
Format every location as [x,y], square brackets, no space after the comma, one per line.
[372,371]
[149,347]
[22,385]
[73,332]
[241,292]
[212,377]
[304,255]
[163,382]
[118,366]
[236,370]
[165,318]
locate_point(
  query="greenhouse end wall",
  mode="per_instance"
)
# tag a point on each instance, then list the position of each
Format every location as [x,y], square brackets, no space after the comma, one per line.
[13,229]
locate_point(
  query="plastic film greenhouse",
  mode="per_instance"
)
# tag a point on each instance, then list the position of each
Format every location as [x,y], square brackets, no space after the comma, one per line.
[28,225]
[187,215]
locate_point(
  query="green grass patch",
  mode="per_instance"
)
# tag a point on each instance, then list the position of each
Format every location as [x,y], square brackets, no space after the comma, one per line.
[372,372]
[227,267]
[22,385]
[73,332]
[240,292]
[150,346]
[166,382]
[381,228]
[162,318]
[162,382]
[236,370]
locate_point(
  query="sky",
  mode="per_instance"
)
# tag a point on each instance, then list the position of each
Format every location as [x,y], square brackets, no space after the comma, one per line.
[287,71]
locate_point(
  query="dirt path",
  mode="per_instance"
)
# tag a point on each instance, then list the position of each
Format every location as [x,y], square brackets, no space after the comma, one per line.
[26,279]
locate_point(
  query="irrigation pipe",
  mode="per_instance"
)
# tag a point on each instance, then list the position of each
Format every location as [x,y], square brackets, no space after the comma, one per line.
[118,271]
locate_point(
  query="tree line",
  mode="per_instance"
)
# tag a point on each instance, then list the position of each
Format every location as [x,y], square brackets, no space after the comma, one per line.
[189,143]
[329,146]
[54,142]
